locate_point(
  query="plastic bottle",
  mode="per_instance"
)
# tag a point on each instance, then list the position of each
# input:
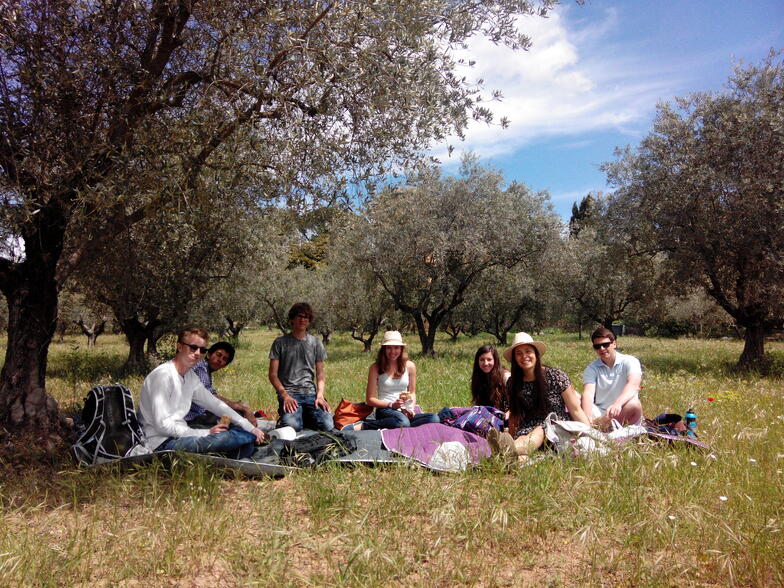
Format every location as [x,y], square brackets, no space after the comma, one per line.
[691,423]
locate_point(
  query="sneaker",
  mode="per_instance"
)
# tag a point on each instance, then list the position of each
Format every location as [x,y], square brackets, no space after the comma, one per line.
[492,441]
[507,445]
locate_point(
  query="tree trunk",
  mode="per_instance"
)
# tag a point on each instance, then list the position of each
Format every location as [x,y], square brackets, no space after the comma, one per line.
[137,335]
[753,356]
[233,329]
[424,339]
[32,319]
[367,343]
[92,333]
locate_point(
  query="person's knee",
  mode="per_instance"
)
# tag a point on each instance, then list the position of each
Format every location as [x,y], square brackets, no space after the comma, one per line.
[400,419]
[291,419]
[631,413]
[319,420]
[325,421]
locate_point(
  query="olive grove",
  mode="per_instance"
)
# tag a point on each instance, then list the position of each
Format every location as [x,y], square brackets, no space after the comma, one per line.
[113,111]
[706,188]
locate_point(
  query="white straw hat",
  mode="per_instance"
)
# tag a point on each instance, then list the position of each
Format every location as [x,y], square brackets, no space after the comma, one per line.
[393,338]
[524,339]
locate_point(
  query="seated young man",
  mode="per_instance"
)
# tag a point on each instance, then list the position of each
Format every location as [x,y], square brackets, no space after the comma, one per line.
[166,397]
[219,355]
[611,384]
[296,371]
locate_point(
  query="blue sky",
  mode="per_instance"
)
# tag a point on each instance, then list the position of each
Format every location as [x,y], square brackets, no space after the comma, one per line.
[593,78]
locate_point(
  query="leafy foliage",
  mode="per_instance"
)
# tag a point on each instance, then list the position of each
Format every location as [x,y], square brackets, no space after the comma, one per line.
[705,187]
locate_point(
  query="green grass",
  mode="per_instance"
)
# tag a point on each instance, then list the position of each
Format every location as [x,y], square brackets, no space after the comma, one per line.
[645,515]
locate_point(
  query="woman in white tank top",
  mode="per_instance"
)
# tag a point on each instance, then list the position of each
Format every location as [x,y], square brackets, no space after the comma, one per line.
[391,388]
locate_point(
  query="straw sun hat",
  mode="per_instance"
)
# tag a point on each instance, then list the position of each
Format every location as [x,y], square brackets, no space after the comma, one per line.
[523,339]
[393,338]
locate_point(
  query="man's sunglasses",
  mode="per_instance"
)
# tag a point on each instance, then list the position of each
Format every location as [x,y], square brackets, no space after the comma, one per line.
[604,345]
[202,350]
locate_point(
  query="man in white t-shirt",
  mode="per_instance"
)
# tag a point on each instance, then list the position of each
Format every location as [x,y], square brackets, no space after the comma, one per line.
[166,397]
[611,384]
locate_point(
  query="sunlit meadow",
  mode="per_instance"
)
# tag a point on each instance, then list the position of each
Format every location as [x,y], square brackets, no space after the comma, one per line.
[646,515]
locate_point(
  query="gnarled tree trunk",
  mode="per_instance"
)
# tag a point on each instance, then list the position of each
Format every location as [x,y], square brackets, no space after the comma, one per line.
[753,356]
[31,290]
[137,334]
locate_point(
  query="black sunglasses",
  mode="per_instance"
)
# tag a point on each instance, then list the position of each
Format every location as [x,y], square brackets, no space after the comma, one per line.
[604,345]
[203,350]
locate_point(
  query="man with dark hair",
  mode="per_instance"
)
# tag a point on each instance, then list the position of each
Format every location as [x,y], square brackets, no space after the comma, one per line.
[218,357]
[166,396]
[296,371]
[611,384]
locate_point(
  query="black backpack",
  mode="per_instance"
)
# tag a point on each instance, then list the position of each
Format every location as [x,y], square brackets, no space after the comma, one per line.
[111,427]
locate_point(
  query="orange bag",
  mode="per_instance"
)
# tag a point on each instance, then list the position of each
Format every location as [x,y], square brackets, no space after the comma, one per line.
[349,412]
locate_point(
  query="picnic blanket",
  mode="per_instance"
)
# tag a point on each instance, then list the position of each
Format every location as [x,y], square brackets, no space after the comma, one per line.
[437,446]
[246,467]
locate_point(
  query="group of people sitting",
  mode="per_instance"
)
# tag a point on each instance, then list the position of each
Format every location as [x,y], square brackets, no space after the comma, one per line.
[179,409]
[530,391]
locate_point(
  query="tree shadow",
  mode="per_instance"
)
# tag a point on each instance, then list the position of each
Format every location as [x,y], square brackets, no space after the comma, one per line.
[79,366]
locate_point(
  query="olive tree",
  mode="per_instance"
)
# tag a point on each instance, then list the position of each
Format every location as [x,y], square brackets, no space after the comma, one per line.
[600,268]
[706,187]
[356,297]
[113,111]
[429,240]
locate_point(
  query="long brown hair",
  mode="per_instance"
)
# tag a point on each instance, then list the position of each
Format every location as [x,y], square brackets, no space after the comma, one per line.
[488,389]
[381,361]
[516,410]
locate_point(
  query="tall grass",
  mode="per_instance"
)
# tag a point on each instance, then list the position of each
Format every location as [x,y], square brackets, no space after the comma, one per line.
[647,514]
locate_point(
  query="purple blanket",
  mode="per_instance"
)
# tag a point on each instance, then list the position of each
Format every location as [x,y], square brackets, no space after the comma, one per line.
[421,443]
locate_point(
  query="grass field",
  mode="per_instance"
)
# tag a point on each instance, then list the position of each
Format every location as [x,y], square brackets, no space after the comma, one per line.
[646,515]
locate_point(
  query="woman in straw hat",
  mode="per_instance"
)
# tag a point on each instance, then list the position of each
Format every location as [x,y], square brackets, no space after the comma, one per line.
[533,391]
[391,388]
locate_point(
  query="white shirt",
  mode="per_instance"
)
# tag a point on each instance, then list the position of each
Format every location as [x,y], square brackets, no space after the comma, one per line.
[166,399]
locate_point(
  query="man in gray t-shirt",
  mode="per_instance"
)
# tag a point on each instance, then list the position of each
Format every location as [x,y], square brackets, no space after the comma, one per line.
[611,384]
[296,371]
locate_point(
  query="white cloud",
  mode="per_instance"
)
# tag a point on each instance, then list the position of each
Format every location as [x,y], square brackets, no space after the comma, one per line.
[568,84]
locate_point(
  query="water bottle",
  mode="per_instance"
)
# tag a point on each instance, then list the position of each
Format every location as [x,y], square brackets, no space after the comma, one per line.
[691,423]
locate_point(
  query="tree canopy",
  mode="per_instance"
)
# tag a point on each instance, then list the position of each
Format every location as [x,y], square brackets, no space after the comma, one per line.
[428,241]
[110,111]
[706,187]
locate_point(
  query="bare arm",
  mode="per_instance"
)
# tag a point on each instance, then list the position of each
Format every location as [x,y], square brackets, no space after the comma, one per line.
[239,407]
[586,402]
[321,383]
[412,373]
[289,404]
[630,390]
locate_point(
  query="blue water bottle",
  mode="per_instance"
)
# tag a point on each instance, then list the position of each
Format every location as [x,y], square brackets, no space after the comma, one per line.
[691,423]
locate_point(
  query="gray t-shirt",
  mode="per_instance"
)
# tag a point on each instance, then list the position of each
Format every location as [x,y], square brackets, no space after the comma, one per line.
[298,358]
[610,381]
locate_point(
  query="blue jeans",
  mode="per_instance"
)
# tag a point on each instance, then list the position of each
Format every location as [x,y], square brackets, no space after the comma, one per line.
[306,414]
[234,443]
[389,418]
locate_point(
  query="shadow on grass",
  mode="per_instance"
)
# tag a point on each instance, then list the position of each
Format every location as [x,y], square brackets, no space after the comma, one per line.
[77,366]
[716,367]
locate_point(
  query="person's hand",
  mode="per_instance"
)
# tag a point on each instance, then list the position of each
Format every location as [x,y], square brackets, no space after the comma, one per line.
[289,404]
[322,403]
[219,428]
[398,403]
[614,410]
[261,436]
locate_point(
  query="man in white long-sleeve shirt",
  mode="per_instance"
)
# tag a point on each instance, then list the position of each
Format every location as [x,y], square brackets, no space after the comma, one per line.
[166,398]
